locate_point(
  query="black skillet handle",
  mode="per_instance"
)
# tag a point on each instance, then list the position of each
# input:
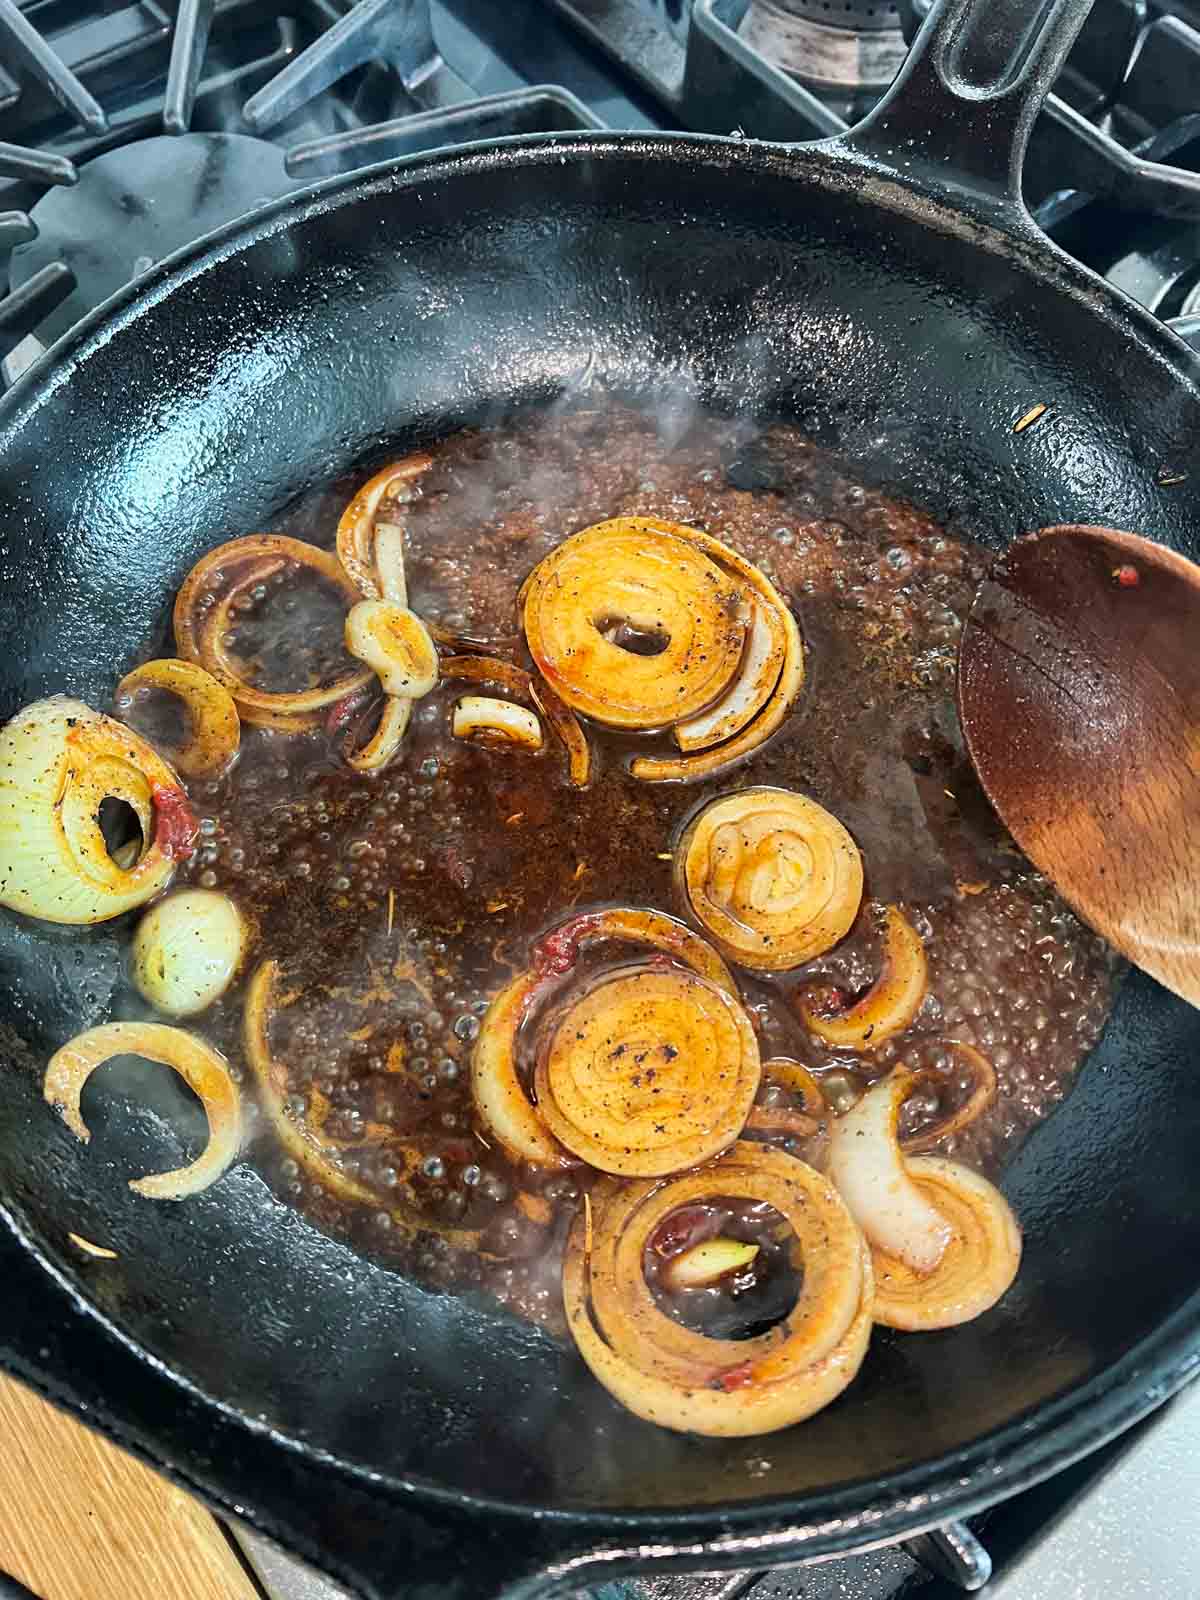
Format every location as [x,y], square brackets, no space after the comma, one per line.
[957,119]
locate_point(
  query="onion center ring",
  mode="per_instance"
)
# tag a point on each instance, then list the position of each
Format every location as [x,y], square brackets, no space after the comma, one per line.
[640,575]
[200,631]
[649,1072]
[215,728]
[771,875]
[197,1063]
[680,1379]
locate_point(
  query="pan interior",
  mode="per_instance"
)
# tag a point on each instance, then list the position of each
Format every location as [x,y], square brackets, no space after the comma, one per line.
[686,275]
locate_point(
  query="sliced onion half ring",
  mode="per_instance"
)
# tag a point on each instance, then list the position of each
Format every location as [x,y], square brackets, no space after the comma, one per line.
[386,739]
[771,875]
[59,761]
[684,1380]
[373,554]
[482,716]
[203,618]
[198,1064]
[215,731]
[501,1102]
[790,681]
[321,1157]
[650,1071]
[516,681]
[682,620]
[800,1123]
[762,662]
[892,1001]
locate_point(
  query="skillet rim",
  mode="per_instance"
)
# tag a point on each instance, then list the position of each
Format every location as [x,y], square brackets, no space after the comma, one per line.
[862,1512]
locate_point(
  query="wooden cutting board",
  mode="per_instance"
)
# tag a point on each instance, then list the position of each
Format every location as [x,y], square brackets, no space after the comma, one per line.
[82,1520]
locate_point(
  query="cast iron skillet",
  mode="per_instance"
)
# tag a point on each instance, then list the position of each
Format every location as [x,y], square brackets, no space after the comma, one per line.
[891,294]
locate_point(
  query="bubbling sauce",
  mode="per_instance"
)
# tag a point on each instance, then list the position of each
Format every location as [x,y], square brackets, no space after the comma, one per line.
[397,904]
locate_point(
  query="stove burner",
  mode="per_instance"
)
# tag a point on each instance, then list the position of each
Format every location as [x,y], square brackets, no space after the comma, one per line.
[138,203]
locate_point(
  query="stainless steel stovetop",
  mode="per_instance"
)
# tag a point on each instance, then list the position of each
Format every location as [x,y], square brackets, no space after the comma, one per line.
[241,100]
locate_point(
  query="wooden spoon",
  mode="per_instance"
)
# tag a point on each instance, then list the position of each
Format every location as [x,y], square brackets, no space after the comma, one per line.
[1079,696]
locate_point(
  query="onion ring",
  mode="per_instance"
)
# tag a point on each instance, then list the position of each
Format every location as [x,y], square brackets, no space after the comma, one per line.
[679,1379]
[704,763]
[376,566]
[802,1123]
[317,1154]
[983,1093]
[395,644]
[516,681]
[771,876]
[978,1265]
[59,760]
[892,1001]
[649,1072]
[197,1063]
[497,721]
[501,1102]
[762,662]
[199,633]
[216,732]
[385,741]
[649,576]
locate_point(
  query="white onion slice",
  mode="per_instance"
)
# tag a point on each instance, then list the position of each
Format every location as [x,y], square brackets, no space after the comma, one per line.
[187,950]
[871,1175]
[481,714]
[198,1064]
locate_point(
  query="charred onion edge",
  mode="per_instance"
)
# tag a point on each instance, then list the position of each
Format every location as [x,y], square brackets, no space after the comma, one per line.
[197,1063]
[500,1101]
[760,818]
[872,1177]
[704,763]
[981,1097]
[305,1146]
[679,1379]
[707,1083]
[978,1267]
[620,688]
[516,681]
[216,731]
[356,546]
[198,636]
[892,1001]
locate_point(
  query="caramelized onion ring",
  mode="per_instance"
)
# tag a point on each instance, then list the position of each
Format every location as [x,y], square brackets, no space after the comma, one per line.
[703,763]
[780,1072]
[978,1265]
[59,760]
[649,1072]
[198,1064]
[516,681]
[648,576]
[499,721]
[983,1092]
[387,738]
[892,1001]
[684,1380]
[216,732]
[376,566]
[318,1155]
[395,644]
[866,1165]
[199,633]
[762,662]
[771,876]
[502,1104]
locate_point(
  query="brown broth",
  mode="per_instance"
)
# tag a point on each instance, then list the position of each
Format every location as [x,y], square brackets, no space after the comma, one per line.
[398,904]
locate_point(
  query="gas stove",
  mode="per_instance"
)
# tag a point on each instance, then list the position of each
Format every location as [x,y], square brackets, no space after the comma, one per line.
[127,132]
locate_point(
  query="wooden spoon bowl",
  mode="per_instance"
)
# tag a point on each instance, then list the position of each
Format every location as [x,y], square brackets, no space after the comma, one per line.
[1079,696]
